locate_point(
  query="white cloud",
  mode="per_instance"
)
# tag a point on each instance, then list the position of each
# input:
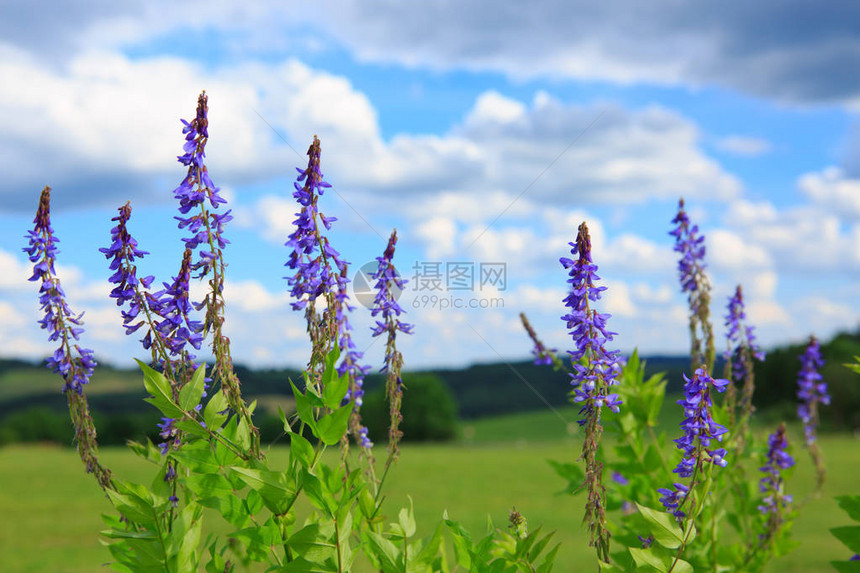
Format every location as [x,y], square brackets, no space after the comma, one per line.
[439,234]
[493,107]
[99,150]
[618,301]
[831,189]
[14,273]
[115,129]
[764,312]
[250,296]
[744,146]
[797,239]
[728,250]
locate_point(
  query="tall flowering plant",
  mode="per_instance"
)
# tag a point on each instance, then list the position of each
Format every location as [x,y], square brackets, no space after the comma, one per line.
[668,502]
[595,371]
[211,456]
[741,352]
[70,360]
[694,282]
[812,392]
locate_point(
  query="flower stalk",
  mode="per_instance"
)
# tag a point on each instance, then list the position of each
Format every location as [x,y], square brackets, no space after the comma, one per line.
[71,360]
[595,371]
[694,282]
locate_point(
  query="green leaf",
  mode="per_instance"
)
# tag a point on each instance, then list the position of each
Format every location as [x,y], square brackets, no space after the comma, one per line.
[193,427]
[197,457]
[147,451]
[366,503]
[243,435]
[462,543]
[846,566]
[231,507]
[406,518]
[301,450]
[184,539]
[260,539]
[161,393]
[330,372]
[335,391]
[133,507]
[318,493]
[663,527]
[314,542]
[208,485]
[192,392]
[123,534]
[212,412]
[385,551]
[549,560]
[647,558]
[851,505]
[428,553]
[304,407]
[332,427]
[273,487]
[608,567]
[334,386]
[253,503]
[849,535]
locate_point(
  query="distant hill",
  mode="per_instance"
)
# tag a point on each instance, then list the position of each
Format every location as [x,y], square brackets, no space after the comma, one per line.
[480,390]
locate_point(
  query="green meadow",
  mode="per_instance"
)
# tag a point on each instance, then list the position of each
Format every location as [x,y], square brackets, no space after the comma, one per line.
[51,508]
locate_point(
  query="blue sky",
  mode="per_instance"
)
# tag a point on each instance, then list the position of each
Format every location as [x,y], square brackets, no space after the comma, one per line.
[483,133]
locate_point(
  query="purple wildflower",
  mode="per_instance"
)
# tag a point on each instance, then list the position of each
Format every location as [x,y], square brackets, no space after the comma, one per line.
[673,499]
[386,308]
[72,361]
[316,264]
[169,433]
[619,478]
[176,326]
[385,303]
[700,430]
[351,362]
[741,338]
[364,440]
[595,368]
[699,426]
[811,389]
[196,188]
[778,459]
[123,251]
[694,282]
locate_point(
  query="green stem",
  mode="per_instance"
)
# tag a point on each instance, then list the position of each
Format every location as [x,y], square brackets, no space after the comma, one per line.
[690,522]
[337,546]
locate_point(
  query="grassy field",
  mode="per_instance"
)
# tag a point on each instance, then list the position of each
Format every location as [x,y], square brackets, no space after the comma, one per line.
[51,509]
